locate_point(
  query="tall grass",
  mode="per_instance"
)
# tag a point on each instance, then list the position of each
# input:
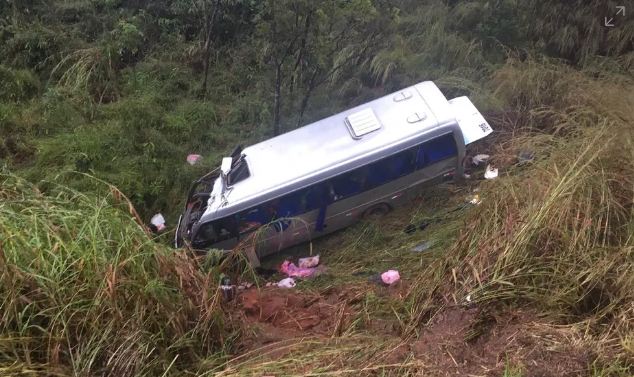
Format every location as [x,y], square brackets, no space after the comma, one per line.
[556,236]
[85,291]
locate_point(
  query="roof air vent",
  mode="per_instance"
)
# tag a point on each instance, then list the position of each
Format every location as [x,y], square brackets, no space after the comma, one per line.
[362,123]
[416,117]
[402,96]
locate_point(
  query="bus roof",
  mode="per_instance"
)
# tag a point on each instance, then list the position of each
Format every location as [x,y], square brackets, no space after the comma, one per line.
[311,153]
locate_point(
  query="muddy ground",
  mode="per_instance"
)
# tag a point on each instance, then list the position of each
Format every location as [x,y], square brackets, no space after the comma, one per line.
[456,341]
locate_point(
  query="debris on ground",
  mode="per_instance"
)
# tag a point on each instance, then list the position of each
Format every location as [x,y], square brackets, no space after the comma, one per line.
[308,262]
[491,172]
[228,290]
[474,199]
[157,223]
[479,159]
[422,246]
[390,277]
[289,268]
[410,228]
[244,285]
[193,159]
[287,283]
[525,157]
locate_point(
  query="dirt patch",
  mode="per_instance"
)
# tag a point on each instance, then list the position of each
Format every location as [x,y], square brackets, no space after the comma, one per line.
[470,342]
[457,341]
[274,314]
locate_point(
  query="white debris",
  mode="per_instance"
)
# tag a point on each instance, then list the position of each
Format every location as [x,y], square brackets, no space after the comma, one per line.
[308,262]
[158,221]
[474,199]
[491,172]
[286,283]
[480,158]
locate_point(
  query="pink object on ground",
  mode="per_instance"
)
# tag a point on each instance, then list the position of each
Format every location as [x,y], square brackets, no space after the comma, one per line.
[290,269]
[192,159]
[390,277]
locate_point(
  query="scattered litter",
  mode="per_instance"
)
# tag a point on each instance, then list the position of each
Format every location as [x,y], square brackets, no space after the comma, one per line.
[466,176]
[158,221]
[525,157]
[289,268]
[286,283]
[410,228]
[193,159]
[468,298]
[474,199]
[479,159]
[423,246]
[228,290]
[308,262]
[245,285]
[390,277]
[491,172]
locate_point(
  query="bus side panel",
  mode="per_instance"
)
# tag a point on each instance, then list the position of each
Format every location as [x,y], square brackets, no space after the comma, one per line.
[395,193]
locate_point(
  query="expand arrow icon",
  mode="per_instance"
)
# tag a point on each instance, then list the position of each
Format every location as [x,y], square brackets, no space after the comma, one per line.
[621,9]
[609,23]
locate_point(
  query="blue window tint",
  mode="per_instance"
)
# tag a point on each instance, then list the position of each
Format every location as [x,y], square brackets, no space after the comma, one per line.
[400,164]
[390,168]
[438,149]
[290,205]
[315,197]
[421,159]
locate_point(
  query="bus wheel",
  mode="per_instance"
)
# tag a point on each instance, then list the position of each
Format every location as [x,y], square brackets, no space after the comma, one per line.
[376,211]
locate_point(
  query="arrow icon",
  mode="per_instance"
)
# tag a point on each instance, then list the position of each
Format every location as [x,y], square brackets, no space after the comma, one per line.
[621,8]
[609,23]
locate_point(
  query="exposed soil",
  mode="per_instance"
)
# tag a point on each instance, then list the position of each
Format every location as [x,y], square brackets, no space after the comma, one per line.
[462,341]
[275,314]
[458,340]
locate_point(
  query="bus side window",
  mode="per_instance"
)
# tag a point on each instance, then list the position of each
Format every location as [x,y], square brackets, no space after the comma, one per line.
[226,228]
[400,164]
[252,219]
[440,148]
[216,231]
[349,184]
[205,236]
[391,168]
[290,205]
[421,159]
[315,196]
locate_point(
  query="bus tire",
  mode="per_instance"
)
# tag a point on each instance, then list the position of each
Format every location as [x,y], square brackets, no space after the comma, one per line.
[377,211]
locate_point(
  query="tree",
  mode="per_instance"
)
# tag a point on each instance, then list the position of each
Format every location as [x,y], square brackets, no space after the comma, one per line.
[308,43]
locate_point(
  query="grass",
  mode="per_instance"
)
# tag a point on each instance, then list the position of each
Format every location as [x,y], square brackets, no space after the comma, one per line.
[86,291]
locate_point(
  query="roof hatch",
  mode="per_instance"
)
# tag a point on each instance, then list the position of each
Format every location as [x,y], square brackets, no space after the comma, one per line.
[362,123]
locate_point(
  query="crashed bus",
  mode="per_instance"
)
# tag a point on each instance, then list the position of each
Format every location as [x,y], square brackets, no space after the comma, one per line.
[329,174]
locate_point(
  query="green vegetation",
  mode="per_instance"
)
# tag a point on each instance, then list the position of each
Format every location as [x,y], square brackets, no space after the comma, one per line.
[120,91]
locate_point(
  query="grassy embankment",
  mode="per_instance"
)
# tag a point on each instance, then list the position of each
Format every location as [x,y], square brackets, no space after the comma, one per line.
[86,291]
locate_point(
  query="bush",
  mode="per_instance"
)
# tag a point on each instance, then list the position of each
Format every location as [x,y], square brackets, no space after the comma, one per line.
[17,84]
